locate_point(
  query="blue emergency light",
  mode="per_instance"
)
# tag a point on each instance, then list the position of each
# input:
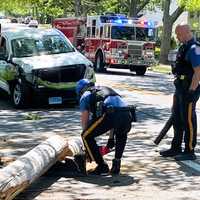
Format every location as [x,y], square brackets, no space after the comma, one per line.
[117,18]
[150,24]
[122,19]
[118,21]
[146,24]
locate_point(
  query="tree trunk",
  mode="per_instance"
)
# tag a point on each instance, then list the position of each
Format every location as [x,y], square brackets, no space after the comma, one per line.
[19,174]
[133,8]
[166,34]
[165,43]
[77,8]
[168,21]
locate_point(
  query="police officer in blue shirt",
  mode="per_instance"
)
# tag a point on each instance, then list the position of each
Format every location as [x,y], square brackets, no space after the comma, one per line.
[187,89]
[102,109]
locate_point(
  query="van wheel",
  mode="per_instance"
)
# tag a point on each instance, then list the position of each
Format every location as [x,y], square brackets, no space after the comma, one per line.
[20,95]
[99,64]
[141,70]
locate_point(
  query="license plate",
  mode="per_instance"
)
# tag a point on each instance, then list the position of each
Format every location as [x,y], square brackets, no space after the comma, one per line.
[55,100]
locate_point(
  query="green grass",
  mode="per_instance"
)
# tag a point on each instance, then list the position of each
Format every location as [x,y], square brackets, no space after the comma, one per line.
[166,69]
[32,116]
[45,26]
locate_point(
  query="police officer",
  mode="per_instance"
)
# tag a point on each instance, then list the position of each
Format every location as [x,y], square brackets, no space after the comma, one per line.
[187,73]
[109,111]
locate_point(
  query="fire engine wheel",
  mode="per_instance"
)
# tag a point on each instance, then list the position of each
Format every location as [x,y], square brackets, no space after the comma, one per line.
[141,70]
[99,64]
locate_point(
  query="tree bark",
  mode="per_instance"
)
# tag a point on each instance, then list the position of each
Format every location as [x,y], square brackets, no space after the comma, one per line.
[168,22]
[77,8]
[166,41]
[19,174]
[136,6]
[133,8]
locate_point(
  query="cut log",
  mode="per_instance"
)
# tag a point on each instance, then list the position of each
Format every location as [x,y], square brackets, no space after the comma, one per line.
[6,160]
[76,146]
[19,174]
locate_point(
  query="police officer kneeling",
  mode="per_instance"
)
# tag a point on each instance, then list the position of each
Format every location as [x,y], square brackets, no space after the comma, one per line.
[102,109]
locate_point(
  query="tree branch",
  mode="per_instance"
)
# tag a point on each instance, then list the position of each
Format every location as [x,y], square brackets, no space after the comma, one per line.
[166,9]
[125,4]
[141,7]
[176,13]
[88,3]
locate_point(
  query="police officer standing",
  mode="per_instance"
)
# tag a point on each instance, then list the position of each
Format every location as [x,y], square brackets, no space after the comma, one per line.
[109,111]
[187,89]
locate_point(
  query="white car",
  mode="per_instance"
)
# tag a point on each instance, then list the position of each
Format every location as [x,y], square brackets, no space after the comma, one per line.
[33,23]
[172,55]
[40,64]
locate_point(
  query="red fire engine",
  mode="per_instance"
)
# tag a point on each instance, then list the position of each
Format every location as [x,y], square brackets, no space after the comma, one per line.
[113,40]
[73,28]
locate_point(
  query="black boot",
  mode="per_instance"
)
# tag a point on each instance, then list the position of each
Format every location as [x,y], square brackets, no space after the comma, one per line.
[171,152]
[116,164]
[101,169]
[80,161]
[186,155]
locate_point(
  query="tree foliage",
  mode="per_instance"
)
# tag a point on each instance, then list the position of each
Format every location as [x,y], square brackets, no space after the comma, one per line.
[170,18]
[57,8]
[45,10]
[190,5]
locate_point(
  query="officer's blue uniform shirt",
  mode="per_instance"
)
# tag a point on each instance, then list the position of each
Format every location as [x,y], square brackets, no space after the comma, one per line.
[115,101]
[193,54]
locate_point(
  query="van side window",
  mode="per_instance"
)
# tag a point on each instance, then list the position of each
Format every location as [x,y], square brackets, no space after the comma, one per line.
[3,44]
[3,52]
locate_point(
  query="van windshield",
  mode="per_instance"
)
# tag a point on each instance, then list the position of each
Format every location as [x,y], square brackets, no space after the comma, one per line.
[47,45]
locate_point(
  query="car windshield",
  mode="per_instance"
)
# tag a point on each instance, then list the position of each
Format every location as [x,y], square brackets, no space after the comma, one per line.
[47,45]
[145,34]
[132,33]
[123,33]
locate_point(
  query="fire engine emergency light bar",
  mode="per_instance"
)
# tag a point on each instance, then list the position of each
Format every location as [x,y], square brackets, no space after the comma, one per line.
[122,19]
[147,24]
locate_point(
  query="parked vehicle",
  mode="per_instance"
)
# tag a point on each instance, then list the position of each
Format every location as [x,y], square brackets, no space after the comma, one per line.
[172,58]
[14,20]
[40,64]
[33,23]
[27,19]
[113,40]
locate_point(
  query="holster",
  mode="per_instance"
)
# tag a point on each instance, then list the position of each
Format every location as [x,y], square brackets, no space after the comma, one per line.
[182,84]
[131,109]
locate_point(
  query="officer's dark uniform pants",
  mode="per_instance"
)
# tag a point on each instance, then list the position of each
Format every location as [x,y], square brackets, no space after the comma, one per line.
[184,120]
[120,121]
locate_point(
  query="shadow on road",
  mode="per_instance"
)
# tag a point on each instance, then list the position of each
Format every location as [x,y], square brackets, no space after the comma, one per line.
[152,82]
[71,178]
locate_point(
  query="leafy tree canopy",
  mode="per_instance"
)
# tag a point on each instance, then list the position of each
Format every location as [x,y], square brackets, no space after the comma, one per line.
[190,5]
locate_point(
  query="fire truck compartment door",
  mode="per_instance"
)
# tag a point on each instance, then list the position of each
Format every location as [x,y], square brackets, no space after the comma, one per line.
[70,33]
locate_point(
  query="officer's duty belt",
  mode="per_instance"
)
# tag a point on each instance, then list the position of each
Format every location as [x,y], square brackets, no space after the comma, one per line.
[182,77]
[112,109]
[131,109]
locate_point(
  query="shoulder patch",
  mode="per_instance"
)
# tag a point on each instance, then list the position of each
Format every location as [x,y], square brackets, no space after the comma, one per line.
[197,50]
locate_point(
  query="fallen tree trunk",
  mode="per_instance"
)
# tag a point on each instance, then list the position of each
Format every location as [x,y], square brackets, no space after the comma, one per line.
[19,174]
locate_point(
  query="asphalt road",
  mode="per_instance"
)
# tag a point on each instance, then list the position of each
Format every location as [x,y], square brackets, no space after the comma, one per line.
[145,175]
